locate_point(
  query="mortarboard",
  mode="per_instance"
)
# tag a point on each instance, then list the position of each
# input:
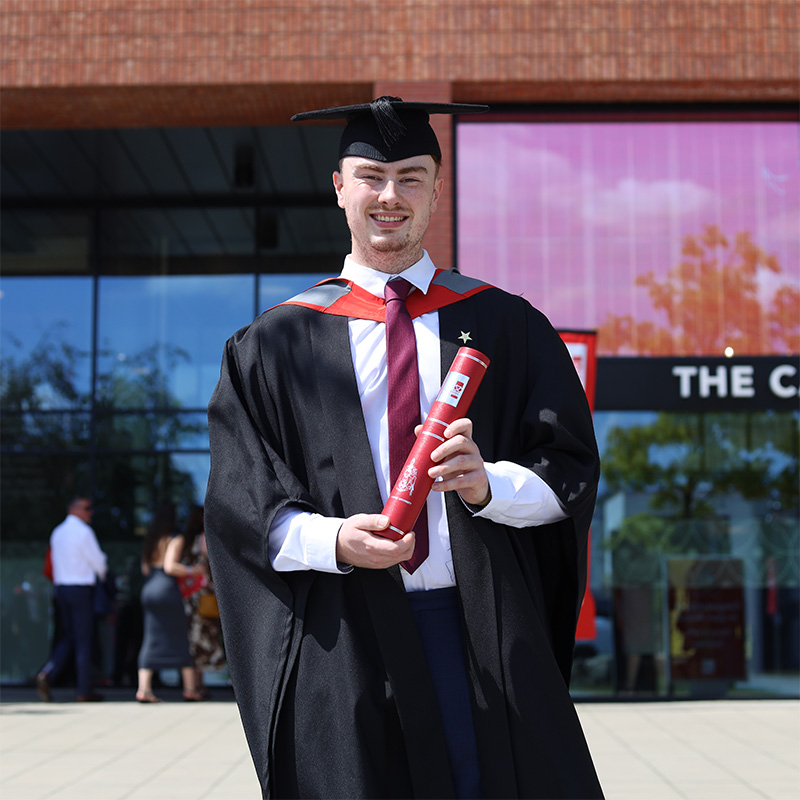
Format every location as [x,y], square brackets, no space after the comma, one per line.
[389,129]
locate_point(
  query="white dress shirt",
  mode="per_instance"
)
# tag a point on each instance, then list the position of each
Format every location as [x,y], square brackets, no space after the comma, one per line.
[300,540]
[76,555]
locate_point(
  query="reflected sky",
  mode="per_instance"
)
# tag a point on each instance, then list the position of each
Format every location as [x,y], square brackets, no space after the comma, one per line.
[570,214]
[171,328]
[50,313]
[198,466]
[181,322]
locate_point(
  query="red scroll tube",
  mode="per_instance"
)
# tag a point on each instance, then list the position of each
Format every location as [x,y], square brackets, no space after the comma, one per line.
[410,492]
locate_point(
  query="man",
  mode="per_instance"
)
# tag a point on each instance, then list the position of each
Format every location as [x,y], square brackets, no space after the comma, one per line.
[434,665]
[77,563]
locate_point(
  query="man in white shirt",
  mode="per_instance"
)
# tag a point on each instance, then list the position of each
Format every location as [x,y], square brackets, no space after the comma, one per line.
[356,677]
[77,562]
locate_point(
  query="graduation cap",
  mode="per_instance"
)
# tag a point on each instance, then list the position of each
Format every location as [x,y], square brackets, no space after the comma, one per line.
[389,129]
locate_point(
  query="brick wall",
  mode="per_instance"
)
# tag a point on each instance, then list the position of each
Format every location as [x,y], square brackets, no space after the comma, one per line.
[84,63]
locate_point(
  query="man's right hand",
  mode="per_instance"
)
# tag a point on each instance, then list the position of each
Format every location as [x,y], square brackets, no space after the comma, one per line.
[359,543]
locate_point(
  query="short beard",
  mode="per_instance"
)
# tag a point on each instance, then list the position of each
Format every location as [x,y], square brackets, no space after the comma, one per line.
[397,255]
[395,244]
[390,244]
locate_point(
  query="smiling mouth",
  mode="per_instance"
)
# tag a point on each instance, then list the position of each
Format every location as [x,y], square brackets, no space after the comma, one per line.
[389,217]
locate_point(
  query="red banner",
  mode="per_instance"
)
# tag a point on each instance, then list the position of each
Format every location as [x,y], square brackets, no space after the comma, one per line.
[582,346]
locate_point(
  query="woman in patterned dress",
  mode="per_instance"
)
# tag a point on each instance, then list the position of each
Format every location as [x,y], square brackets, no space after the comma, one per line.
[205,633]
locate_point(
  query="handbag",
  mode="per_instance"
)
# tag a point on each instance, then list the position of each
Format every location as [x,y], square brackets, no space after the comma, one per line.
[191,584]
[207,606]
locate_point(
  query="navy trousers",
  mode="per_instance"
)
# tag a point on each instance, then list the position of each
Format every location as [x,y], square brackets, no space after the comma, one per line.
[439,622]
[76,609]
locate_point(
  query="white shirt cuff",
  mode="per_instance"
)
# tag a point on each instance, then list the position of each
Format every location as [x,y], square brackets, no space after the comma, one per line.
[520,498]
[300,540]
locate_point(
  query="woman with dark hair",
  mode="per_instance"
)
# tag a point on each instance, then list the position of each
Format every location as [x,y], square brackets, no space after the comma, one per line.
[166,643]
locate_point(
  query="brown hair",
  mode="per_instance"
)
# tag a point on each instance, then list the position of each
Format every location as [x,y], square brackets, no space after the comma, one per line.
[195,525]
[163,525]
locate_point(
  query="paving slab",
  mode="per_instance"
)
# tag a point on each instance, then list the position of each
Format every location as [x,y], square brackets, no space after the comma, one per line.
[123,750]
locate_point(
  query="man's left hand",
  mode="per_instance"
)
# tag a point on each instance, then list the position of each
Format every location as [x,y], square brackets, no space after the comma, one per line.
[459,464]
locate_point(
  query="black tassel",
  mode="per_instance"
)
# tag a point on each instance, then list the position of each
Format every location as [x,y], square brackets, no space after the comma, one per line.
[389,124]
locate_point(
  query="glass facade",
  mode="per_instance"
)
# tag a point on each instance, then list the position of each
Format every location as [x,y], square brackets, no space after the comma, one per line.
[105,382]
[697,486]
[129,257]
[672,237]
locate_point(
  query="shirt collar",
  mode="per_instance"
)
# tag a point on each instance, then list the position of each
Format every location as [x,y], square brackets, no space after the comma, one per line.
[419,275]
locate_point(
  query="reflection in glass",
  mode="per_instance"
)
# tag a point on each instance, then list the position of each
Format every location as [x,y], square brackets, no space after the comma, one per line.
[295,231]
[129,487]
[25,609]
[698,486]
[54,431]
[37,487]
[666,237]
[45,242]
[197,465]
[163,240]
[150,430]
[161,338]
[46,341]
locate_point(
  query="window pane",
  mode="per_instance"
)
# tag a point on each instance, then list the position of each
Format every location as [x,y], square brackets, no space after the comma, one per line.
[161,338]
[150,431]
[130,487]
[196,467]
[702,488]
[37,487]
[299,231]
[670,238]
[141,241]
[46,329]
[52,431]
[45,242]
[25,598]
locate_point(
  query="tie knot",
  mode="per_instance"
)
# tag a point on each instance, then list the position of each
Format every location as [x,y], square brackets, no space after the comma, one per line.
[397,289]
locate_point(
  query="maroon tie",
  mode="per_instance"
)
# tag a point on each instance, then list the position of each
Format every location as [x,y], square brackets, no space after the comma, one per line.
[404,415]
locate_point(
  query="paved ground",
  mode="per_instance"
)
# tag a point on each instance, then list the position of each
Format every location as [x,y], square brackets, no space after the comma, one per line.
[121,750]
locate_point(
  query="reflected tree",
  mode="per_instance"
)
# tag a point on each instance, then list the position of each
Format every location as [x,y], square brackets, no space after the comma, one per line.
[43,433]
[136,413]
[684,478]
[135,395]
[688,466]
[713,299]
[46,378]
[52,434]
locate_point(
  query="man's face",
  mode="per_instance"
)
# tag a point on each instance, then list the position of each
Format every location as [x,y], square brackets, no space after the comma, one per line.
[82,509]
[388,208]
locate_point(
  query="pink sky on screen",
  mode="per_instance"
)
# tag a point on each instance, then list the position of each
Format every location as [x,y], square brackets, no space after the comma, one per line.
[568,214]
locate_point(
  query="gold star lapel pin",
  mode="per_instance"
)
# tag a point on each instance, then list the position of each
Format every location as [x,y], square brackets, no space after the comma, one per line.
[465,337]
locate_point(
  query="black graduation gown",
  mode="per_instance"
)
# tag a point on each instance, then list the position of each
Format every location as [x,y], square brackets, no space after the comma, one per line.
[328,670]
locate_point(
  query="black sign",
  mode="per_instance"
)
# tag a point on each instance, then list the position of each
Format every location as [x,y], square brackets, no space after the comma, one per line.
[698,384]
